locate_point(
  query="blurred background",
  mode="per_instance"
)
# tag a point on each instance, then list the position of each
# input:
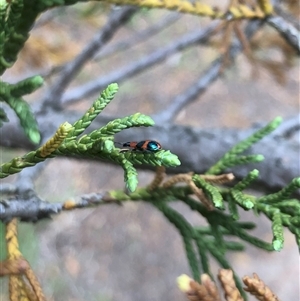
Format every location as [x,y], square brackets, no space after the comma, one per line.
[131,252]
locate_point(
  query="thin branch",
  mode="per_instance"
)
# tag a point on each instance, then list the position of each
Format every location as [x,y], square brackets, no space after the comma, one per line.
[132,69]
[290,128]
[27,209]
[287,30]
[285,15]
[25,180]
[139,37]
[207,77]
[190,94]
[115,21]
[31,208]
[198,149]
[123,45]
[7,188]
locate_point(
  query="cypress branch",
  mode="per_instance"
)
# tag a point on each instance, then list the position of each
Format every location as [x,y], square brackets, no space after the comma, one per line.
[225,264]
[186,231]
[231,158]
[12,95]
[210,190]
[284,193]
[233,208]
[130,175]
[277,229]
[246,182]
[98,106]
[26,86]
[241,199]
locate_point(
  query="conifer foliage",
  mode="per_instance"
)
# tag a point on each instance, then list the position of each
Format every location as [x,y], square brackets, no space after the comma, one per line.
[215,195]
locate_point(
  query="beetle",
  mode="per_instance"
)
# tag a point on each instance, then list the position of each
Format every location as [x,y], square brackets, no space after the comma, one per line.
[144,145]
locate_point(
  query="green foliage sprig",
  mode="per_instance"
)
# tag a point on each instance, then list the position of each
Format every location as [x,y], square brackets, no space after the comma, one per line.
[232,158]
[200,242]
[97,145]
[13,94]
[16,19]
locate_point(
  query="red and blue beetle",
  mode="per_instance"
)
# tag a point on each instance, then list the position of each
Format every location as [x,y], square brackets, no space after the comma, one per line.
[143,146]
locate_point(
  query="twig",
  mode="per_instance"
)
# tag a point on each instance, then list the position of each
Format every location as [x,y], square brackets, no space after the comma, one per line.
[138,37]
[206,78]
[289,127]
[27,205]
[116,19]
[28,209]
[123,45]
[158,178]
[205,146]
[7,188]
[17,286]
[89,200]
[31,208]
[285,15]
[13,266]
[36,287]
[218,179]
[136,67]
[287,30]
[25,180]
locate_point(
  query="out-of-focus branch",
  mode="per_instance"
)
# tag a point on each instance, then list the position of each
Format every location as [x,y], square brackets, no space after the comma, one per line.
[115,21]
[28,209]
[207,77]
[287,30]
[32,208]
[290,128]
[190,94]
[7,189]
[285,15]
[123,45]
[25,180]
[130,70]
[198,149]
[138,37]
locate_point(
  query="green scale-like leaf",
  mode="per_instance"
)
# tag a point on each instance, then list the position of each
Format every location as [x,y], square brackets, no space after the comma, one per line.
[241,199]
[17,164]
[244,183]
[277,229]
[283,193]
[12,95]
[98,106]
[130,175]
[160,158]
[117,125]
[231,158]
[187,232]
[257,136]
[26,86]
[209,190]
[3,17]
